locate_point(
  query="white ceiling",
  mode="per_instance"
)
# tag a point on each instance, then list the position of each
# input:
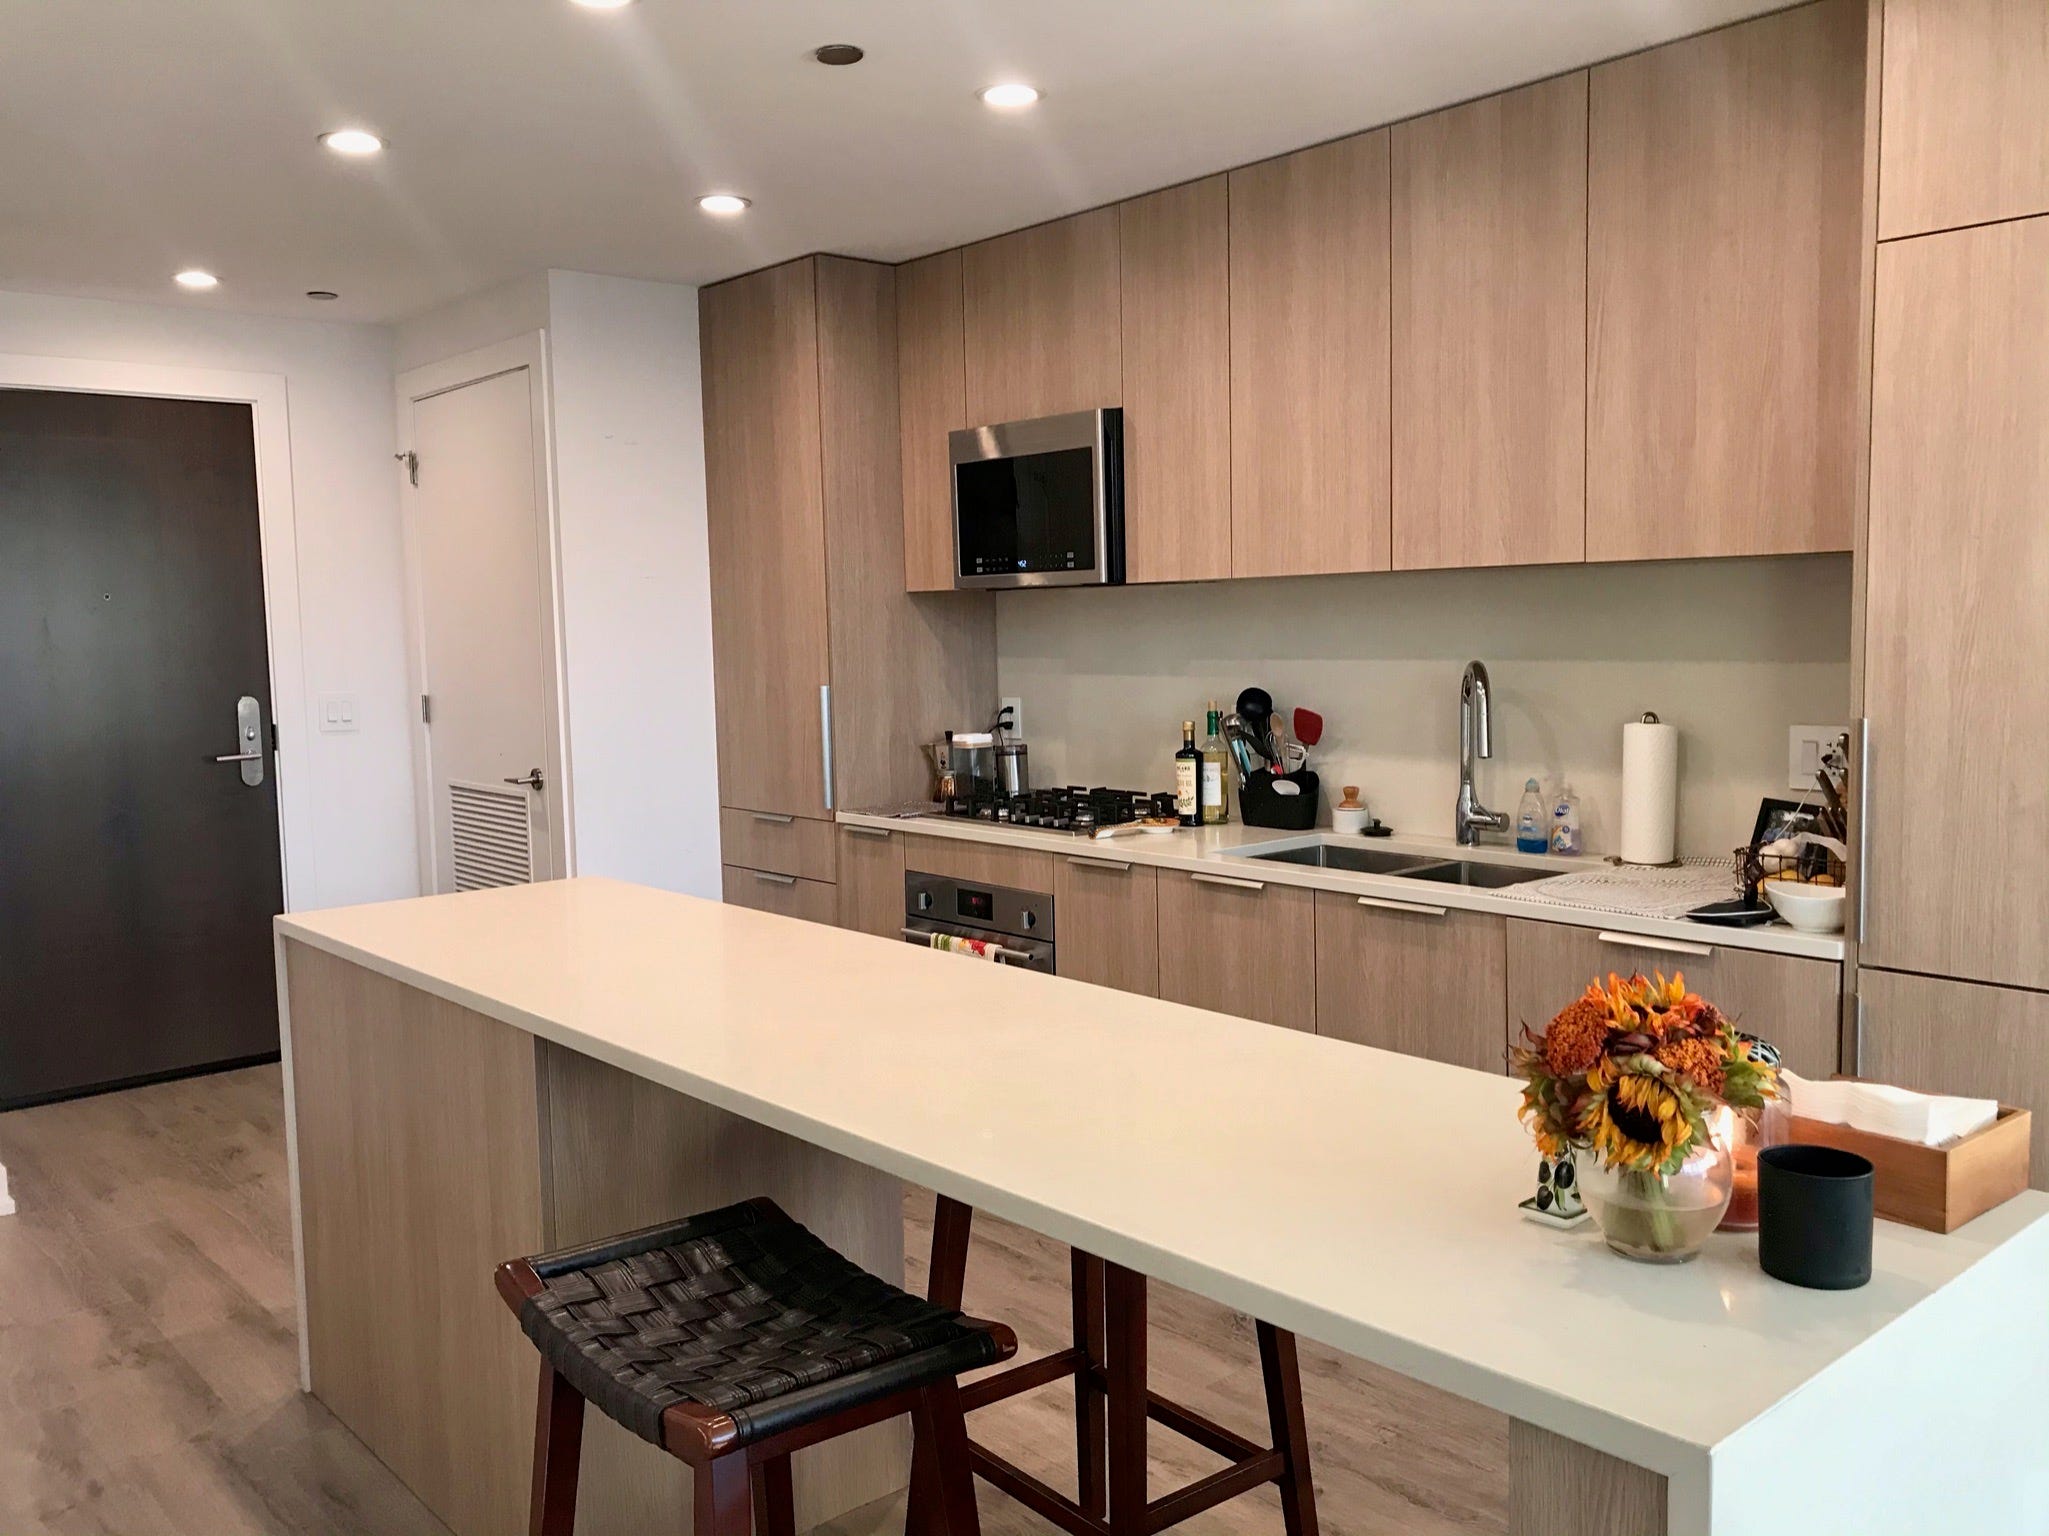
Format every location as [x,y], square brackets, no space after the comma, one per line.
[141,136]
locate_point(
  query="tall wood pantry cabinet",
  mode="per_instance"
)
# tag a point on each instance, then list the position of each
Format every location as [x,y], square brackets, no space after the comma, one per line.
[1953,952]
[828,675]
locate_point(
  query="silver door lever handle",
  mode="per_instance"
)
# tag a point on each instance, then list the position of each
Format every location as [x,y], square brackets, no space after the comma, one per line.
[531,781]
[240,757]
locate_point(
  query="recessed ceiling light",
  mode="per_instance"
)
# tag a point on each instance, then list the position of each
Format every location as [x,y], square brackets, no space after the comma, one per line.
[192,277]
[724,204]
[1010,95]
[352,141]
[604,5]
[839,53]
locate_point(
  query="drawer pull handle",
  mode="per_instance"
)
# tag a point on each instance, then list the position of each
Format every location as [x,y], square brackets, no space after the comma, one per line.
[1235,884]
[773,818]
[1416,907]
[768,879]
[880,834]
[1117,865]
[1663,946]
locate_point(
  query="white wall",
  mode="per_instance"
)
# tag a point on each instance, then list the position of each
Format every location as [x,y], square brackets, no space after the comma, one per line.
[636,590]
[345,493]
[1732,652]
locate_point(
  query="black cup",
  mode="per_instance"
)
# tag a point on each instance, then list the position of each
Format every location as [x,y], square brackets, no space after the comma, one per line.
[1814,1217]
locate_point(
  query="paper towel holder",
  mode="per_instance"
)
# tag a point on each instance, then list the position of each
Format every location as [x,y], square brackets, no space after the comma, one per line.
[1648,717]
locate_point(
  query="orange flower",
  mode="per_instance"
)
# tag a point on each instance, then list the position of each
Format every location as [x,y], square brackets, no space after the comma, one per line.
[1578,1036]
[1697,1060]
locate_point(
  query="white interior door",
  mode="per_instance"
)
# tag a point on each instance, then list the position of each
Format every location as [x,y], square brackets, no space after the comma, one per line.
[483,578]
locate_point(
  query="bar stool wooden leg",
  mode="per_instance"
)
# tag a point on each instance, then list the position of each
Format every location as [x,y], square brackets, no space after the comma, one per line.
[1290,1429]
[1090,1424]
[558,1448]
[721,1506]
[775,1502]
[1125,1373]
[945,1285]
[938,1423]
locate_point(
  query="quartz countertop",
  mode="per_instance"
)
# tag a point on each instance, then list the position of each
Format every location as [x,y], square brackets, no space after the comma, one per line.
[1228,850]
[1355,1196]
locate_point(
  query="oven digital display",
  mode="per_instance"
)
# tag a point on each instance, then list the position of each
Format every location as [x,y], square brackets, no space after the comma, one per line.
[977,905]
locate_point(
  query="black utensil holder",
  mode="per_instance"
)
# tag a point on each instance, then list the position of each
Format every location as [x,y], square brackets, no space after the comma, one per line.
[1259,806]
[1815,1207]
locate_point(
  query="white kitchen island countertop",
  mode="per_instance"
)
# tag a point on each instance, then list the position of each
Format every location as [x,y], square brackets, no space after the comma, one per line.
[1358,1197]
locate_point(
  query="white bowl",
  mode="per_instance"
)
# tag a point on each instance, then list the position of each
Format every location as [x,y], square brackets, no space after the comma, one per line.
[1810,908]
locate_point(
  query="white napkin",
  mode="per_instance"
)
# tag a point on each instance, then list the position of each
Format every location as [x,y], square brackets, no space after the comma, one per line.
[1931,1120]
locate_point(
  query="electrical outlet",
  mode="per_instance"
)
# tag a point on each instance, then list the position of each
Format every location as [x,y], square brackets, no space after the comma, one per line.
[1016,707]
[1805,747]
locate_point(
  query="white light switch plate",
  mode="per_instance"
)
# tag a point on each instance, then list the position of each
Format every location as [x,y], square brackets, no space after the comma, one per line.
[1804,747]
[337,713]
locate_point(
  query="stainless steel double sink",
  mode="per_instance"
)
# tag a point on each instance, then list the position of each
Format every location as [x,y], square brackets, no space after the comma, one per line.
[1407,866]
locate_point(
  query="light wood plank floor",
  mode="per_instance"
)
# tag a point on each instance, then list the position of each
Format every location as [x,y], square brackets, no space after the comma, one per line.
[148,1364]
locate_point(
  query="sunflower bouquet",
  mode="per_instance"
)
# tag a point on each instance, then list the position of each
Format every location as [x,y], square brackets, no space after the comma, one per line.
[1634,1072]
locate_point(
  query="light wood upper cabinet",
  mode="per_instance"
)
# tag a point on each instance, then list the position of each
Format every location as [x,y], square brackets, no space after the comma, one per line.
[1792,1002]
[1940,1036]
[1239,945]
[1177,383]
[766,502]
[1107,922]
[1041,320]
[1725,247]
[1955,620]
[1964,131]
[932,401]
[1490,348]
[1408,977]
[1309,361]
[871,884]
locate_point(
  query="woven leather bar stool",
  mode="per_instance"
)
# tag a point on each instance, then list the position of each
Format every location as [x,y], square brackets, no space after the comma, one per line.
[730,1340]
[1113,1405]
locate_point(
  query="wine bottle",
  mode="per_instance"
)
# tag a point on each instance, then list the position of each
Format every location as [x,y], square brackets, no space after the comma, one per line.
[1216,774]
[1188,778]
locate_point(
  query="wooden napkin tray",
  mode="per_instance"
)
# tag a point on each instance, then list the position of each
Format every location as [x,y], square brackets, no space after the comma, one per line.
[1937,1188]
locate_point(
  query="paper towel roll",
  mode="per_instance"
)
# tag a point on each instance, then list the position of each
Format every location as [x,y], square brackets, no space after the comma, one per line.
[1650,791]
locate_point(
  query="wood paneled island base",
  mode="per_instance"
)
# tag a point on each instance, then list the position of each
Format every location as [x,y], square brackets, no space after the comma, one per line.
[483,1075]
[432,1144]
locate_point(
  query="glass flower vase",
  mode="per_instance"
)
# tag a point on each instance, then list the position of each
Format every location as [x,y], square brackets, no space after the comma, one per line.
[1660,1218]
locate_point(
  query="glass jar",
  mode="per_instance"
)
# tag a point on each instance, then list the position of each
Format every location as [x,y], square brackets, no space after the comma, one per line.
[1660,1218]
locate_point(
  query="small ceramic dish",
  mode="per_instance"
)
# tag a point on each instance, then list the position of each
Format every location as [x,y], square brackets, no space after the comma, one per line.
[1810,908]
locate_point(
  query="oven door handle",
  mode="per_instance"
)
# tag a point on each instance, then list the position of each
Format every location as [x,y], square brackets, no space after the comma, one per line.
[1003,956]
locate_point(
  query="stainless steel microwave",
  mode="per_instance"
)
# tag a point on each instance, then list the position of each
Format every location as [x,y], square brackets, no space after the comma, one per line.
[1040,503]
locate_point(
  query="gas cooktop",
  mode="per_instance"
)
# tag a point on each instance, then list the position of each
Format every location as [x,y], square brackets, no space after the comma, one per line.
[1072,809]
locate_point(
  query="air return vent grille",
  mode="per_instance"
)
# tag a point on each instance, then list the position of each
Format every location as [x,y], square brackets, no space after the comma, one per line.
[491,832]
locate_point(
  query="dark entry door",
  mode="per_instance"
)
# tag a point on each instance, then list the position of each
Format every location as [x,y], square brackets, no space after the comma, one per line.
[138,876]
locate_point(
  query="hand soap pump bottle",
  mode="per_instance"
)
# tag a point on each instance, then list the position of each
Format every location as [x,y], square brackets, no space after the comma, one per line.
[1532,833]
[1565,827]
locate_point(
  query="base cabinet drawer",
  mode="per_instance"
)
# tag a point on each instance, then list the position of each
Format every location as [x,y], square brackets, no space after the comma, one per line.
[1961,1037]
[1792,1002]
[785,845]
[1238,945]
[767,890]
[1107,920]
[959,858]
[871,883]
[1412,977]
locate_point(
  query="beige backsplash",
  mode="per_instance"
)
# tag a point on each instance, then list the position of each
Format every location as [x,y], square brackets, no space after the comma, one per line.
[1732,652]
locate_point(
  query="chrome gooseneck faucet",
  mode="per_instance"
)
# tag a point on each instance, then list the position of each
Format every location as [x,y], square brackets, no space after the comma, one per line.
[1474,740]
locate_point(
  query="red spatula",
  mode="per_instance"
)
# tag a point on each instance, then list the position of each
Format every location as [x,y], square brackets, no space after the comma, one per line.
[1308,727]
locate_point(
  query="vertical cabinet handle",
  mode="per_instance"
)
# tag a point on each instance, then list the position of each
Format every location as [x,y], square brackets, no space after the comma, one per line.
[1860,868]
[825,738]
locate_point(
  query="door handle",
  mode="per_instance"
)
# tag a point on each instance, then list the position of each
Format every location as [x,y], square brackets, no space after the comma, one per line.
[1386,905]
[1235,884]
[532,780]
[825,739]
[249,736]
